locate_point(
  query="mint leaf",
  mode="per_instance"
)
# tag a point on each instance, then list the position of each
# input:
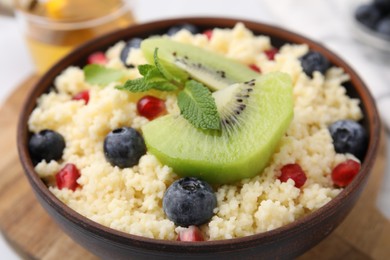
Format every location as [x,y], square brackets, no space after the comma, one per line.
[100,75]
[164,86]
[152,79]
[145,68]
[169,71]
[136,85]
[198,106]
[154,75]
[160,66]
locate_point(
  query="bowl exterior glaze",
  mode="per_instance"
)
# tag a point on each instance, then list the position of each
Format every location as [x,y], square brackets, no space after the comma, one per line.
[283,243]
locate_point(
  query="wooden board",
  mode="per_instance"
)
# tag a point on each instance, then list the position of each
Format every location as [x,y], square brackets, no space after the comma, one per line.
[365,233]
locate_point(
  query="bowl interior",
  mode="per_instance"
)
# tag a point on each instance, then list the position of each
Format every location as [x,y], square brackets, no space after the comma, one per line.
[355,88]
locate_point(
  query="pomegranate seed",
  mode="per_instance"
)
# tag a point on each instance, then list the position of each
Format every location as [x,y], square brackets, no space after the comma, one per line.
[97,58]
[293,171]
[83,95]
[151,107]
[208,33]
[255,68]
[190,234]
[344,172]
[67,177]
[271,53]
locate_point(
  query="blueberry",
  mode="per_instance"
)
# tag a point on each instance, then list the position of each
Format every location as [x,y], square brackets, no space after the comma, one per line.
[368,15]
[314,61]
[189,201]
[133,43]
[123,147]
[383,26]
[46,145]
[383,5]
[189,27]
[349,137]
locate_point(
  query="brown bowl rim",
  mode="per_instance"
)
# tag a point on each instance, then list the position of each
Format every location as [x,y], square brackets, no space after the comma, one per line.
[206,246]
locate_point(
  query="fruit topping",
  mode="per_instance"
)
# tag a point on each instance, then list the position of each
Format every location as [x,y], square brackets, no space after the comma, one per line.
[260,110]
[293,171]
[189,27]
[190,234]
[46,145]
[345,172]
[210,68]
[97,58]
[83,95]
[151,107]
[254,67]
[123,147]
[314,61]
[349,137]
[368,14]
[189,201]
[208,33]
[134,43]
[375,16]
[67,177]
[271,53]
[383,26]
[383,5]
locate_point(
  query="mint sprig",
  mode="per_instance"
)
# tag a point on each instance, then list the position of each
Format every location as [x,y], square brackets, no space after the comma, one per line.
[198,106]
[136,85]
[99,75]
[194,99]
[153,78]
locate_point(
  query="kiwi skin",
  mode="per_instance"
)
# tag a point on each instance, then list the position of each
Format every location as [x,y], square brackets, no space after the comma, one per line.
[198,63]
[239,151]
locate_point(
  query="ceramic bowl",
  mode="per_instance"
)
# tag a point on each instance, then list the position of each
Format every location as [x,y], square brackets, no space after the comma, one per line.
[285,242]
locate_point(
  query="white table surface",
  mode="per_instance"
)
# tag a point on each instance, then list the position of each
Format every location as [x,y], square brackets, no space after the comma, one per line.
[326,21]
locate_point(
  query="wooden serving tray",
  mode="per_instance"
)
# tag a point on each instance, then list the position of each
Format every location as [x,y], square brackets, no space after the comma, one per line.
[364,234]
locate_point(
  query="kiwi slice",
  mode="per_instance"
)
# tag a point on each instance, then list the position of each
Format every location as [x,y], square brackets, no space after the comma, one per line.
[254,117]
[199,64]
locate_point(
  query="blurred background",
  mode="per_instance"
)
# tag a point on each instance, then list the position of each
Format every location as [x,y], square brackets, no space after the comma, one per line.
[330,22]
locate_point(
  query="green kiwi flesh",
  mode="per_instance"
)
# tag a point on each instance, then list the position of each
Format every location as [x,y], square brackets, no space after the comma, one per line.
[254,117]
[198,63]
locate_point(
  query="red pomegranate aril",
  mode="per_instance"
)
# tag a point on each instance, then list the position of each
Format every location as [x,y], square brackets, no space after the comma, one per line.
[97,58]
[190,234]
[254,67]
[293,171]
[151,107]
[345,172]
[271,53]
[67,177]
[83,95]
[208,33]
